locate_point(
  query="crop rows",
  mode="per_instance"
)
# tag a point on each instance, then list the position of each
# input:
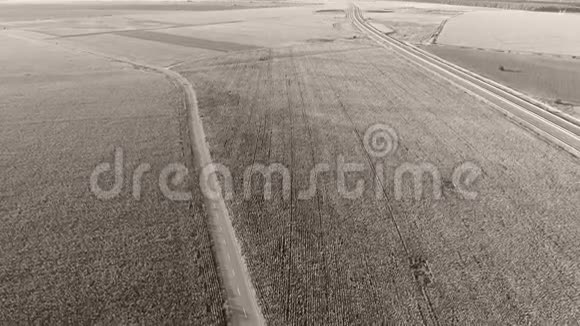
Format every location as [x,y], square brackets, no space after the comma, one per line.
[332,260]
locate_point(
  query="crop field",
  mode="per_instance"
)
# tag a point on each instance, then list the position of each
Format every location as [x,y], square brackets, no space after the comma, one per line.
[68,257]
[506,257]
[468,218]
[12,10]
[555,80]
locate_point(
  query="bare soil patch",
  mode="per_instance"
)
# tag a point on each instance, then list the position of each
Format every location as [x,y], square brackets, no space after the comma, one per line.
[514,30]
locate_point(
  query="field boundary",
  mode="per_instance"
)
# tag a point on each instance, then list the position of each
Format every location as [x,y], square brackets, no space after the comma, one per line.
[435,35]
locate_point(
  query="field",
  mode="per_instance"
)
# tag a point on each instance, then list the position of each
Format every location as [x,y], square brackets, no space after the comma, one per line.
[516,31]
[415,25]
[68,257]
[294,86]
[551,79]
[328,259]
[37,10]
[410,21]
[531,5]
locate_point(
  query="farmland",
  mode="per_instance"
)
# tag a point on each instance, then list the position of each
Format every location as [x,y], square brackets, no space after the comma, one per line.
[66,255]
[336,260]
[290,86]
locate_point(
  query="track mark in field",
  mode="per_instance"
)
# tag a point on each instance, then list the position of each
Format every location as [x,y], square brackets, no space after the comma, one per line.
[234,77]
[393,87]
[406,79]
[249,138]
[343,298]
[341,69]
[269,79]
[386,203]
[414,266]
[537,229]
[411,258]
[322,244]
[291,217]
[318,232]
[245,106]
[340,305]
[252,113]
[207,67]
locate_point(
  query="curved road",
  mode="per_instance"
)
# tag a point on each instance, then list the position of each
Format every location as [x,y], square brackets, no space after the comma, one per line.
[241,307]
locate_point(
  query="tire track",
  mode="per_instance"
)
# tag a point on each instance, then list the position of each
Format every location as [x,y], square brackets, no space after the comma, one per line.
[318,232]
[328,86]
[334,313]
[291,218]
[389,209]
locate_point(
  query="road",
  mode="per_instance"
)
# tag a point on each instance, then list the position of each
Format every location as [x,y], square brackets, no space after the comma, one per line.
[242,305]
